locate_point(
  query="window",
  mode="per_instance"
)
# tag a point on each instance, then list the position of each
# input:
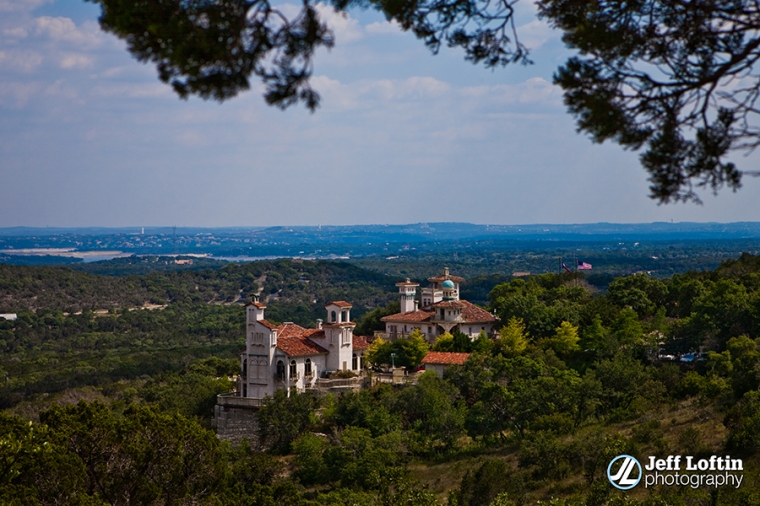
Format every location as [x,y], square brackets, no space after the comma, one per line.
[280,370]
[333,317]
[354,363]
[344,316]
[293,369]
[307,367]
[245,369]
[361,361]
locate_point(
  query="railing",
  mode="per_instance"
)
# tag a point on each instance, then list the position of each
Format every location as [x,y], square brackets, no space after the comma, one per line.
[282,378]
[338,382]
[233,400]
[392,336]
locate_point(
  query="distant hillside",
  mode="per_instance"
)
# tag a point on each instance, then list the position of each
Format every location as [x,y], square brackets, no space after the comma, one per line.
[293,289]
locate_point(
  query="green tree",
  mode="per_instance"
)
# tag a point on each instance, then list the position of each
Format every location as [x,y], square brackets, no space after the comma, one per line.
[143,457]
[482,343]
[371,321]
[512,338]
[283,418]
[594,336]
[379,351]
[627,329]
[411,350]
[565,341]
[444,342]
[310,466]
[433,409]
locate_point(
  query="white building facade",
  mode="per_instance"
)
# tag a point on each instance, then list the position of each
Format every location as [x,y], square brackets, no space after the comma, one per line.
[290,356]
[440,310]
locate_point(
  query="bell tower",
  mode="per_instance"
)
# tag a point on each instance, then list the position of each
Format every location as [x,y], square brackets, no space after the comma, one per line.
[408,291]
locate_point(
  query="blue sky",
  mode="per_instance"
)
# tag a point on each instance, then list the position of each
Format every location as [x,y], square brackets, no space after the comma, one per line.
[90,137]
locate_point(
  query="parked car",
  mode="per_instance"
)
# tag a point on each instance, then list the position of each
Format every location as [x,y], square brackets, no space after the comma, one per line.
[688,358]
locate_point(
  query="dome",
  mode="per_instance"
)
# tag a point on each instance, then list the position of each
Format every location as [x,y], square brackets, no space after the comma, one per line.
[448,284]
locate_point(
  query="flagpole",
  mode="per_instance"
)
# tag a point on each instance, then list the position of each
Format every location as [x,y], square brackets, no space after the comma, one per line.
[576,271]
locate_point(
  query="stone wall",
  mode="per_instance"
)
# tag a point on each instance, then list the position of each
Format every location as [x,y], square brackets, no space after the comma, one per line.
[236,418]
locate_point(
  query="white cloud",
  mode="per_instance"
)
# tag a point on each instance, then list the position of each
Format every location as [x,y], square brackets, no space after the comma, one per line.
[17,94]
[368,92]
[147,90]
[75,61]
[532,91]
[384,27]
[536,33]
[65,30]
[21,5]
[15,33]
[25,61]
[62,89]
[345,27]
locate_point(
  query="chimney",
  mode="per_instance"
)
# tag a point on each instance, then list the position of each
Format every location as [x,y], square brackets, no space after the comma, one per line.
[319,323]
[416,305]
[446,271]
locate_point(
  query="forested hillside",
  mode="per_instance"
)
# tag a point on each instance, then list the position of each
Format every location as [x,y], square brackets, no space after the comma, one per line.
[290,284]
[649,367]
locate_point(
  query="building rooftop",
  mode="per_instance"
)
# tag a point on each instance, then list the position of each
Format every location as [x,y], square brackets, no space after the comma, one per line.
[296,346]
[445,358]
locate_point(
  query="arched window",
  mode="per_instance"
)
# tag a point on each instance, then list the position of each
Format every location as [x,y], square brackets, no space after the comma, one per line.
[344,316]
[307,367]
[333,317]
[354,363]
[280,370]
[292,368]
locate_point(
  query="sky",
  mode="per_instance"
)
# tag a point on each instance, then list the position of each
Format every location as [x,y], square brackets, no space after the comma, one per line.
[91,137]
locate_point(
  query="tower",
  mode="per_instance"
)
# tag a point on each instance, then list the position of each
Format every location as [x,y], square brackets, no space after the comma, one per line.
[408,291]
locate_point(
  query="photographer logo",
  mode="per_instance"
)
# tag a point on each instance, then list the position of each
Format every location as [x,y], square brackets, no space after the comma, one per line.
[624,472]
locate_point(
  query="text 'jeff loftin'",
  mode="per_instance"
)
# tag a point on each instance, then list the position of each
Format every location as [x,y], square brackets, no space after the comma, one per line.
[697,468]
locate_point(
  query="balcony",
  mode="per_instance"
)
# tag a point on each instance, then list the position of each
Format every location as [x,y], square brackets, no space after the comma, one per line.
[392,336]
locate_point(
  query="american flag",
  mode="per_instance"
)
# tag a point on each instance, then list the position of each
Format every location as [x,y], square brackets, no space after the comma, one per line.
[583,266]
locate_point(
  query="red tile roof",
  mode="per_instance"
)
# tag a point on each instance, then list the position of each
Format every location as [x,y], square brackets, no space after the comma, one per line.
[361,342]
[314,333]
[340,303]
[407,283]
[470,314]
[299,346]
[267,324]
[410,317]
[473,313]
[290,330]
[440,279]
[445,358]
[449,303]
